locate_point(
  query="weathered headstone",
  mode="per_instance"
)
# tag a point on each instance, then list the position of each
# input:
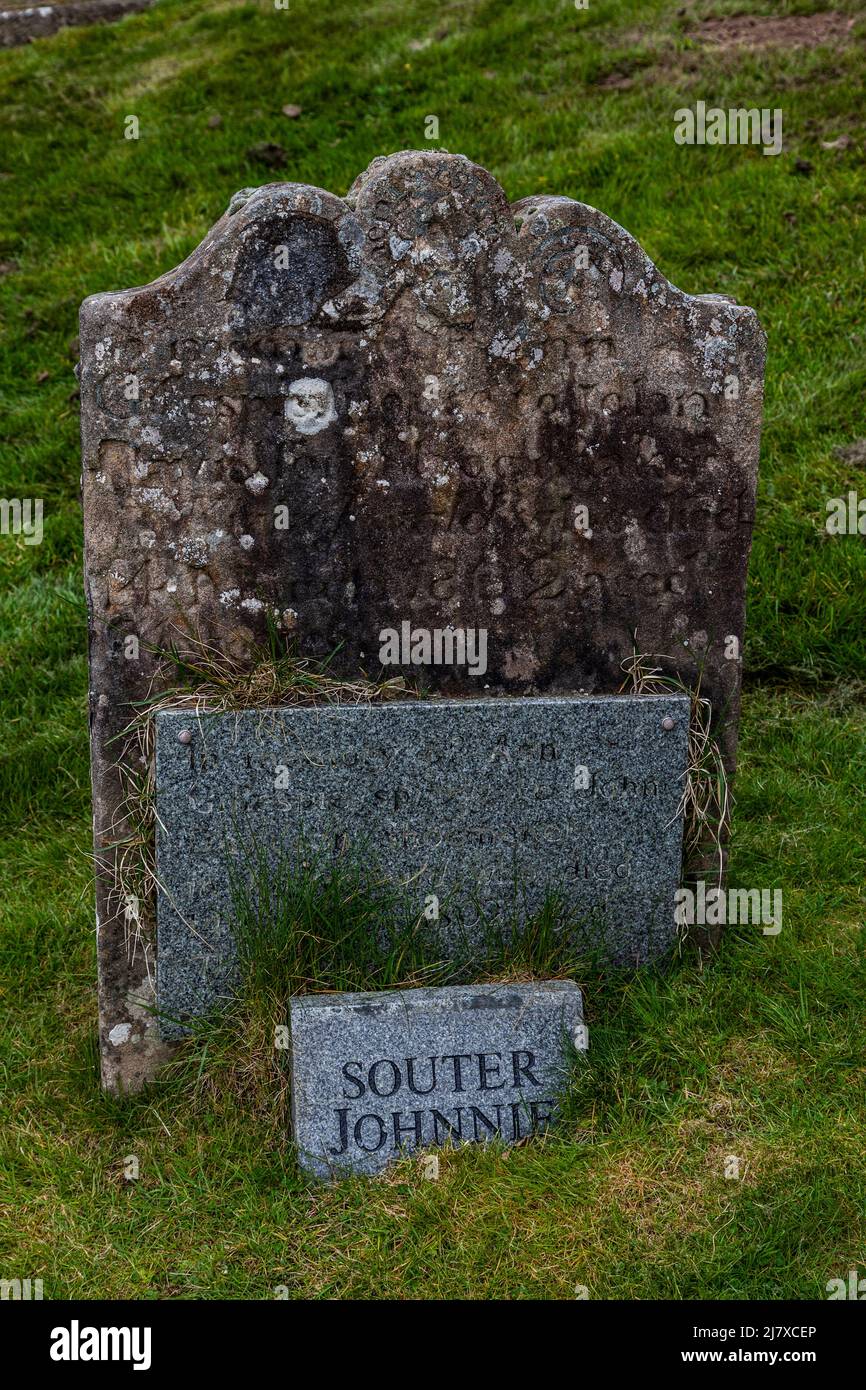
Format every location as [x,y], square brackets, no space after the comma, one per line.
[469,806]
[378,1075]
[415,404]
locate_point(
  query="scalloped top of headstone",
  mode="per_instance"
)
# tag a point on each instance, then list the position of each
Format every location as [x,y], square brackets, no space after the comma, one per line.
[421,403]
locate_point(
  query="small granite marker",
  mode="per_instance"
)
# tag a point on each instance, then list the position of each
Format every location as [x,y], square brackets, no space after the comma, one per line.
[378,1075]
[418,404]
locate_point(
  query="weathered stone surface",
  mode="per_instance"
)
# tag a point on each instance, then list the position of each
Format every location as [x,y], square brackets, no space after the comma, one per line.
[25,23]
[378,1075]
[426,385]
[484,805]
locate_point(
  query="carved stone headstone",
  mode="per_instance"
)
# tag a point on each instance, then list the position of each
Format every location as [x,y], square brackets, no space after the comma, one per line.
[418,403]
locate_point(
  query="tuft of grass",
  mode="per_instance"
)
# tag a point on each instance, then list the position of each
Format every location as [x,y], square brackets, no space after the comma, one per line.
[207,680]
[705,803]
[323,928]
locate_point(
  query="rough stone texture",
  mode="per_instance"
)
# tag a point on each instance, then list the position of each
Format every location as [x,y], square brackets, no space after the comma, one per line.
[498,1055]
[433,383]
[29,22]
[473,801]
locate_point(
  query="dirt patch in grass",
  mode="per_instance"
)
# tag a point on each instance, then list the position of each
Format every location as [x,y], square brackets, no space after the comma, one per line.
[723,43]
[615,81]
[23,24]
[786,31]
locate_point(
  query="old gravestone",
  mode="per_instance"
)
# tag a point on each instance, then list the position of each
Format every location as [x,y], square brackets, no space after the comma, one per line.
[375,1075]
[416,403]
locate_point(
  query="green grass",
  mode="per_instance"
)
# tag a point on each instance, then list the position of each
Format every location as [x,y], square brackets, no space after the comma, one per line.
[758,1052]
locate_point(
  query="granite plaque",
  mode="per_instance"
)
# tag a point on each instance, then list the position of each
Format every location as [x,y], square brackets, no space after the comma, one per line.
[475,808]
[377,1075]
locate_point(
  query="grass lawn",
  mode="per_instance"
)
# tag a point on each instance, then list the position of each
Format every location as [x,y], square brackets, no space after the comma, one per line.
[758,1052]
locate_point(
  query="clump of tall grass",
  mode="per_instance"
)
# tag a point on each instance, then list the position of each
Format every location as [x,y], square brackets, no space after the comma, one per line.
[305,927]
[705,804]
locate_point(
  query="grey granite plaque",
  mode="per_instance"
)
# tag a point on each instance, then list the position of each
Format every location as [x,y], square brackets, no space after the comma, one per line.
[378,1075]
[476,809]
